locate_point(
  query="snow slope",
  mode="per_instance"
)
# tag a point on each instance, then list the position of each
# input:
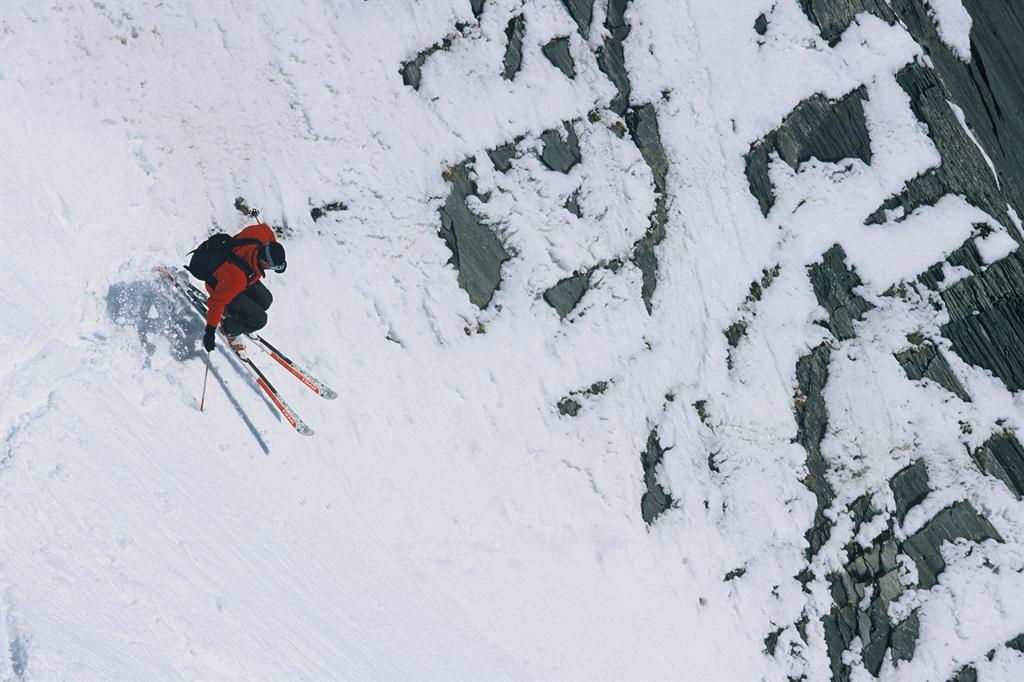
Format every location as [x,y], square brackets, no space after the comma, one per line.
[447,522]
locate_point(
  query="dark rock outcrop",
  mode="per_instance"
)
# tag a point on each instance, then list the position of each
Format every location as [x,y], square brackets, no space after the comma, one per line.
[513,60]
[834,285]
[952,523]
[557,52]
[811,421]
[477,253]
[1003,457]
[925,361]
[827,130]
[610,57]
[560,154]
[655,501]
[570,405]
[909,487]
[564,296]
[986,311]
[582,12]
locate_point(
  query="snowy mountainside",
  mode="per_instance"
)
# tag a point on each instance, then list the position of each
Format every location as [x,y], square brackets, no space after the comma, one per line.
[672,341]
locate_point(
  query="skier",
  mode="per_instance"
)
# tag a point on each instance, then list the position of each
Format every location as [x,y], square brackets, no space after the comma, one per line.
[236,293]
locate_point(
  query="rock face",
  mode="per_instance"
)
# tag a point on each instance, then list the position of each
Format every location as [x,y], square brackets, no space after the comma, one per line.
[986,313]
[557,52]
[827,130]
[560,153]
[655,501]
[514,47]
[834,286]
[477,253]
[925,361]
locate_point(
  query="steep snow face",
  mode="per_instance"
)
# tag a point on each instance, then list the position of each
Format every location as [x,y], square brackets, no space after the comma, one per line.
[653,326]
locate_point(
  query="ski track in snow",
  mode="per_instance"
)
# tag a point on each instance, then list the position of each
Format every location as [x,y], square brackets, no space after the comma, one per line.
[446,522]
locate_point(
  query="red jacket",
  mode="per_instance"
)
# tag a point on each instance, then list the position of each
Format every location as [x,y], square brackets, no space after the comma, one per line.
[231,280]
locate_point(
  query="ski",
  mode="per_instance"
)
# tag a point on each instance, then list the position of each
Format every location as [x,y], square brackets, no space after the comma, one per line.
[261,380]
[311,382]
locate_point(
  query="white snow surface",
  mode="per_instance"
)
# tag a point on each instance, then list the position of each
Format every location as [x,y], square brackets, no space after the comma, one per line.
[953,23]
[446,522]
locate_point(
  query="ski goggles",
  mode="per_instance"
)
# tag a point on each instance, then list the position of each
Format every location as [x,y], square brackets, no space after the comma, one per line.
[276,267]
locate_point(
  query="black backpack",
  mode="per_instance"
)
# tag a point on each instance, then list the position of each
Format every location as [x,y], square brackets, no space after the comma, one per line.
[216,251]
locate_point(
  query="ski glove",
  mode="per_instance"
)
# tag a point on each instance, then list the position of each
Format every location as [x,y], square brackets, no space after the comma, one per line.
[209,342]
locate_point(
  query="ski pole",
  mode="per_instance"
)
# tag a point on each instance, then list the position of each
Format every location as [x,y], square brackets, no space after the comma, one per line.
[206,374]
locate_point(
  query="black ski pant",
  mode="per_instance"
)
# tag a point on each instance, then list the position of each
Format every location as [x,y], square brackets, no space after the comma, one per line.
[247,312]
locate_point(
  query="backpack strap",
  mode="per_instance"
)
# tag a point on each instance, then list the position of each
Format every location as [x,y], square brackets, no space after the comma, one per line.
[234,258]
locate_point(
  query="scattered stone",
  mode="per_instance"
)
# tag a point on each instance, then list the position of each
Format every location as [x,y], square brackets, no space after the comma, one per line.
[925,361]
[952,523]
[478,7]
[833,285]
[567,293]
[317,213]
[771,642]
[557,52]
[568,407]
[571,407]
[736,573]
[735,332]
[909,487]
[477,254]
[702,411]
[655,501]
[513,60]
[560,154]
[761,24]
[241,206]
[828,130]
[572,204]
[1017,643]
[965,674]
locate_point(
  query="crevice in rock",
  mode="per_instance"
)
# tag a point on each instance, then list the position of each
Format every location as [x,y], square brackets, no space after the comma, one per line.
[820,128]
[477,253]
